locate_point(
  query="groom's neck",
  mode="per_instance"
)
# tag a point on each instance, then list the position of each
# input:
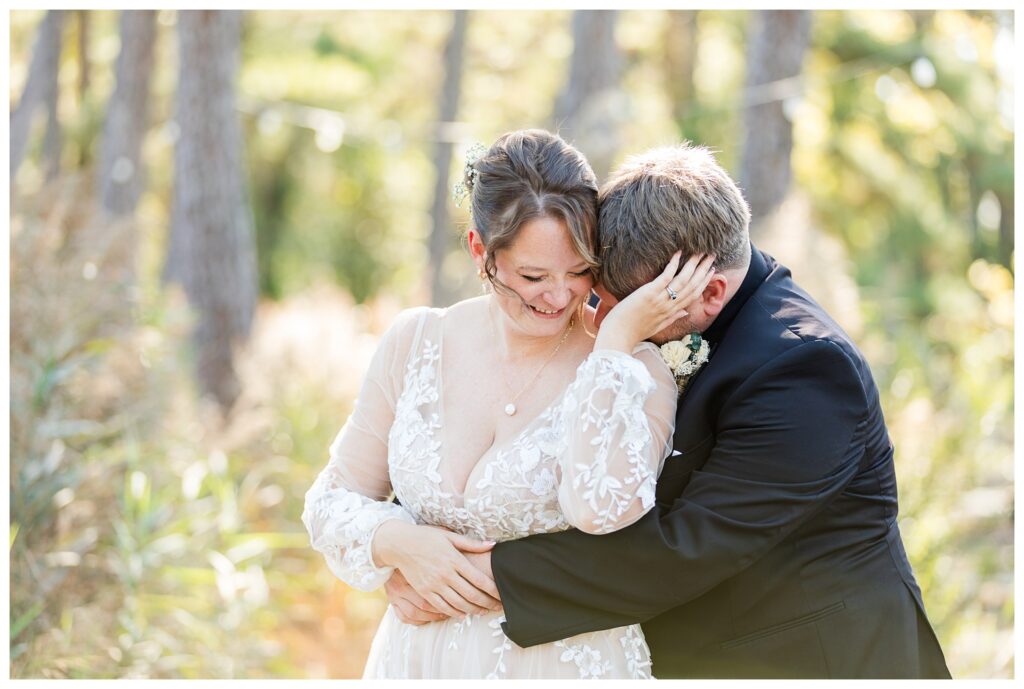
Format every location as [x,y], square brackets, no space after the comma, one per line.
[734,278]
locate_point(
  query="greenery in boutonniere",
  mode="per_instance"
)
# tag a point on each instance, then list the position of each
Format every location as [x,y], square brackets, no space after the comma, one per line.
[685,357]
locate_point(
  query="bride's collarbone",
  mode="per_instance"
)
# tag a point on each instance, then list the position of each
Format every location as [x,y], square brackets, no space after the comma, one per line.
[480,381]
[491,380]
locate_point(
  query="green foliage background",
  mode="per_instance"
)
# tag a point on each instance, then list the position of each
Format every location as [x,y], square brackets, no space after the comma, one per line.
[150,540]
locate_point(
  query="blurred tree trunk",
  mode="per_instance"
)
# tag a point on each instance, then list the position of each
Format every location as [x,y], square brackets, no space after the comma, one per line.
[591,106]
[211,250]
[40,90]
[440,232]
[922,19]
[680,40]
[120,165]
[973,161]
[1005,197]
[53,139]
[778,41]
[84,73]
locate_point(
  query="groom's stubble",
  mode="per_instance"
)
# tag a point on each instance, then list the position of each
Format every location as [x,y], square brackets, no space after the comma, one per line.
[677,331]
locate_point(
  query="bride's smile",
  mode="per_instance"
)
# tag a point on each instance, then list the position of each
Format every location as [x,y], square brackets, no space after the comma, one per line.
[546,314]
[547,279]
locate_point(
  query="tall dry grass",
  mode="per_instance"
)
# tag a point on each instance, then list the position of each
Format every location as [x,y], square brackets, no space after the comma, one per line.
[78,369]
[151,536]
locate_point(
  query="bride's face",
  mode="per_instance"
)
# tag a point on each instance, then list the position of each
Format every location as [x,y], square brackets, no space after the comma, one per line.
[543,268]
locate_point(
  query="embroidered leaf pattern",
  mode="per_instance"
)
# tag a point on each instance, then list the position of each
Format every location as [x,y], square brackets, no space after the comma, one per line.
[590,459]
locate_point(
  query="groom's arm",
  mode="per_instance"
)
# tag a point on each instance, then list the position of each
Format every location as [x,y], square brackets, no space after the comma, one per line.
[788,442]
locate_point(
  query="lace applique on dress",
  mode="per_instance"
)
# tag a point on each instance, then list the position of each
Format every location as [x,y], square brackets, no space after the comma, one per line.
[590,459]
[588,661]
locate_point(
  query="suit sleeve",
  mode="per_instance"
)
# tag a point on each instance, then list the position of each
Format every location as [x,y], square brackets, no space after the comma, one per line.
[788,440]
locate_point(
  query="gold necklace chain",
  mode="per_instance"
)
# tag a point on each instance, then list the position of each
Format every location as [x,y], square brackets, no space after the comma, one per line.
[510,408]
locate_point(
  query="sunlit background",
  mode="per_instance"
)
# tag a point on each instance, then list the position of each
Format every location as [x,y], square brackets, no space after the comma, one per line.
[155,496]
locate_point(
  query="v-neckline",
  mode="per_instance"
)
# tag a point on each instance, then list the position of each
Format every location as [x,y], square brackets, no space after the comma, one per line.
[494,449]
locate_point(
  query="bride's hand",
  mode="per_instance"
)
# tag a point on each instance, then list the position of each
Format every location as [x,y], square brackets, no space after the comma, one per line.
[651,308]
[431,560]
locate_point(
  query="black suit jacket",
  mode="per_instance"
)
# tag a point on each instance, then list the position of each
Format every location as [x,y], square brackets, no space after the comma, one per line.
[773,550]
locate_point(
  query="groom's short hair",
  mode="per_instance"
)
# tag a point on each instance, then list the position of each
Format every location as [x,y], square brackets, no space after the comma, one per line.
[663,200]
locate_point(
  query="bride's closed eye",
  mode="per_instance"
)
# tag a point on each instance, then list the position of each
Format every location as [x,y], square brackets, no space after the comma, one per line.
[538,278]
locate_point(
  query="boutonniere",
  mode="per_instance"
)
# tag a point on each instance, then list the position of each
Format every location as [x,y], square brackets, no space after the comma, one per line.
[685,357]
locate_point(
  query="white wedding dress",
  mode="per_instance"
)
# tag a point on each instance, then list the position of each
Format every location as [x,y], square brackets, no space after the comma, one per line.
[589,460]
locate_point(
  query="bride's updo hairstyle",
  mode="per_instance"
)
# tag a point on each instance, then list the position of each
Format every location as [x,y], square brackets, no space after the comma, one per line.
[528,174]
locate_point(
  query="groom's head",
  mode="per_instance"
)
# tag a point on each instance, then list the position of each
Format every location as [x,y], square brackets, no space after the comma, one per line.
[664,200]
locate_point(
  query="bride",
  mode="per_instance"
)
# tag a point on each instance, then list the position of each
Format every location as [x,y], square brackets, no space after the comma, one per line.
[500,417]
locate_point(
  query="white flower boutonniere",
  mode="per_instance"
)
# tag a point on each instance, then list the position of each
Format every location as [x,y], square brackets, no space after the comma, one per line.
[685,357]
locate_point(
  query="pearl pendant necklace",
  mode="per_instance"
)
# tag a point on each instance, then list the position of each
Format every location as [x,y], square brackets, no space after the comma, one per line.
[510,408]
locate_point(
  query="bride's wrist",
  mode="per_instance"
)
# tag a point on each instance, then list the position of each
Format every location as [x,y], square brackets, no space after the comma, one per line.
[384,546]
[615,338]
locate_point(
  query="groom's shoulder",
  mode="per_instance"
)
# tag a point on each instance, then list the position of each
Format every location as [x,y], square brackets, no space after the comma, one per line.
[780,315]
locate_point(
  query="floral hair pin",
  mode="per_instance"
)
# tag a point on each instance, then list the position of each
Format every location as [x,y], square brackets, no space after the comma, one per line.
[470,174]
[685,357]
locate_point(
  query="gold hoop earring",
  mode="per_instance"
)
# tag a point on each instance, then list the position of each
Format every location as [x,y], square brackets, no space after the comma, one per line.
[583,322]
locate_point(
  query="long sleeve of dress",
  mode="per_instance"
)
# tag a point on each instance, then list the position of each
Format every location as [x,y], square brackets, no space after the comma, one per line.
[348,501]
[618,416]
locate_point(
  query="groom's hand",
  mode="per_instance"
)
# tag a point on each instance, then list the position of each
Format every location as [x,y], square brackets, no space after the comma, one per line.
[410,607]
[482,561]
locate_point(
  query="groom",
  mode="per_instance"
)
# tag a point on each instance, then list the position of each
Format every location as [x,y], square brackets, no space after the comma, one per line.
[773,550]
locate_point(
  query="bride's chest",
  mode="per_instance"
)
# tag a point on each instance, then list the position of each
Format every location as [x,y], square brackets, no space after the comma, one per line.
[510,493]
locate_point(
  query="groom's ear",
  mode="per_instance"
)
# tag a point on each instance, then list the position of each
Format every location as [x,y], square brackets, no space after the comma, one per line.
[713,297]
